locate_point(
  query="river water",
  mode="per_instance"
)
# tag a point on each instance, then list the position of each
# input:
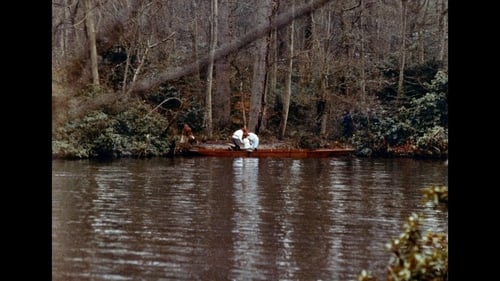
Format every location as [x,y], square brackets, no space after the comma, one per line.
[209,218]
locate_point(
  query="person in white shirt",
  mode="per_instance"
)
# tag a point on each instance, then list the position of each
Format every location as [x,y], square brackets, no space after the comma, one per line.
[246,144]
[238,137]
[254,140]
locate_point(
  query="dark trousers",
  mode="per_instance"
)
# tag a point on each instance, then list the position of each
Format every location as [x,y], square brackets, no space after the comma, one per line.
[237,142]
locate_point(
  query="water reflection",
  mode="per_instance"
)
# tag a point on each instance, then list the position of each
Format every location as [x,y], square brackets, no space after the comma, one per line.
[247,245]
[234,219]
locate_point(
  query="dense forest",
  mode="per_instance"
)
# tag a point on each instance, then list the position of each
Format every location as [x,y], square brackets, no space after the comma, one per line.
[127,74]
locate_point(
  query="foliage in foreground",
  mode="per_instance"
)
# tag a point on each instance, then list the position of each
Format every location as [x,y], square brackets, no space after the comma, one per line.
[417,256]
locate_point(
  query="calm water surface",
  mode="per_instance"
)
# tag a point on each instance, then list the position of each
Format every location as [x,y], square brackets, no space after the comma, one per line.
[211,218]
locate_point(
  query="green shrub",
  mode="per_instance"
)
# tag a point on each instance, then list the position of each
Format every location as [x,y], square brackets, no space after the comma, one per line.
[434,142]
[133,131]
[416,255]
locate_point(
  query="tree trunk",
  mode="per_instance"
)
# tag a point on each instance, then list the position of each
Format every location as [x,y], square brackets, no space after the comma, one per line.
[194,25]
[222,96]
[421,33]
[362,80]
[288,84]
[347,54]
[260,67]
[76,36]
[89,21]
[324,81]
[274,63]
[402,50]
[326,107]
[274,60]
[271,77]
[443,30]
[213,46]
[264,106]
[125,72]
[242,104]
[65,32]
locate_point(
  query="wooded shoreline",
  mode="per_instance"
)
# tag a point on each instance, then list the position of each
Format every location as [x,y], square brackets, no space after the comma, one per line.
[125,78]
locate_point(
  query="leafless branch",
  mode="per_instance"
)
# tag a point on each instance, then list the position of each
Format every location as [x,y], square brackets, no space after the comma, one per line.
[231,47]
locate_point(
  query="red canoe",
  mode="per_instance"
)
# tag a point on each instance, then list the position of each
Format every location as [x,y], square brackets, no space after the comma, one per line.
[272,153]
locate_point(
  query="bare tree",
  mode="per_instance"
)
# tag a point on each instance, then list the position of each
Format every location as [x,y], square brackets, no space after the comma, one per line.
[222,95]
[60,27]
[274,62]
[227,48]
[213,45]
[194,24]
[324,104]
[421,31]
[89,21]
[402,50]
[262,15]
[443,29]
[68,26]
[362,79]
[288,84]
[147,48]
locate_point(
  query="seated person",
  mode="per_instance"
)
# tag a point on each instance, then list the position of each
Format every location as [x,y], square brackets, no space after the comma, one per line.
[254,140]
[237,137]
[187,137]
[246,144]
